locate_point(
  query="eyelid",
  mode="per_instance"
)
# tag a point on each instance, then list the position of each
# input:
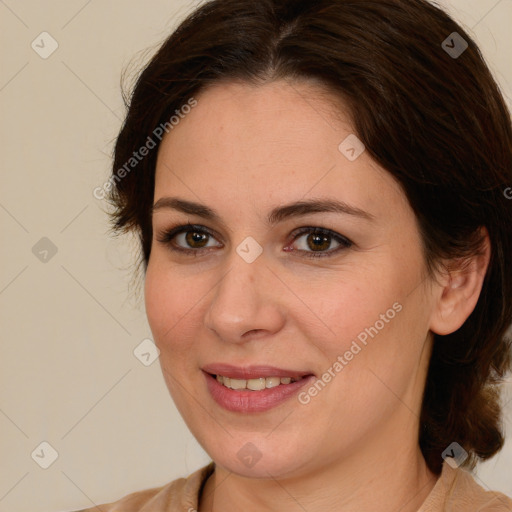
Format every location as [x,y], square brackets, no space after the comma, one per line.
[344,242]
[167,235]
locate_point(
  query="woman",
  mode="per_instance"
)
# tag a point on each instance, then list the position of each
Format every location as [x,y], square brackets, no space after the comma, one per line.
[319,193]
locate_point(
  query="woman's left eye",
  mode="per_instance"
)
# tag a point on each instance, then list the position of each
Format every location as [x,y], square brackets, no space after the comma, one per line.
[318,240]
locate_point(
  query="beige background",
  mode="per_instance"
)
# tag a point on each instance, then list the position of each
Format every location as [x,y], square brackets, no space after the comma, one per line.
[68,374]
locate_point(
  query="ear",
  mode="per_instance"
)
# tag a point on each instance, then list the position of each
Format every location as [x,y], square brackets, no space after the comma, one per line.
[459,289]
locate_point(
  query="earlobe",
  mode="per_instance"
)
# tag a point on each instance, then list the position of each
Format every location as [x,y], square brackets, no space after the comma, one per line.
[459,290]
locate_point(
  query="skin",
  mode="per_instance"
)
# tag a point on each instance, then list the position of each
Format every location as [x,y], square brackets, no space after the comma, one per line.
[242,151]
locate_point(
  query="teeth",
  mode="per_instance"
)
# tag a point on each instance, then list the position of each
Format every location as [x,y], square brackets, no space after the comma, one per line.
[254,384]
[238,384]
[272,382]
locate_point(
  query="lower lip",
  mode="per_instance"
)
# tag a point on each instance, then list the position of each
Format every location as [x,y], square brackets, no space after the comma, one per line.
[253,401]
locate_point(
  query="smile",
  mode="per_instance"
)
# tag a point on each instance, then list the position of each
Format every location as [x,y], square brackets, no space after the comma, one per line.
[253,394]
[257,384]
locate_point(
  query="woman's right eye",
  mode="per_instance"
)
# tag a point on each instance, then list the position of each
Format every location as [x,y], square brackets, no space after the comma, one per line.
[179,237]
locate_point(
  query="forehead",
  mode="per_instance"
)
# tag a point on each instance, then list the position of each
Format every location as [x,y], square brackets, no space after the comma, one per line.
[268,143]
[239,116]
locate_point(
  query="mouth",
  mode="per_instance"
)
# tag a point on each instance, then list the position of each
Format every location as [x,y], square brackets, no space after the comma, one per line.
[254,388]
[257,384]
[254,375]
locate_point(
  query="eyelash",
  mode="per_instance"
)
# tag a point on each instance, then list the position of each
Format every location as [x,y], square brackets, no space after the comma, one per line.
[166,237]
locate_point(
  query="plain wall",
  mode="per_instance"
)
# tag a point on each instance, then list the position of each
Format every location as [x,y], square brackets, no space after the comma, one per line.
[68,375]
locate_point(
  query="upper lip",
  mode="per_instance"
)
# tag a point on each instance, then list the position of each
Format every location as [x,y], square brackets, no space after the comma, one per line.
[252,372]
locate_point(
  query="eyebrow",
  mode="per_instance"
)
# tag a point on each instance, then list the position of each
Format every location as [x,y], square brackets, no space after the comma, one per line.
[277,214]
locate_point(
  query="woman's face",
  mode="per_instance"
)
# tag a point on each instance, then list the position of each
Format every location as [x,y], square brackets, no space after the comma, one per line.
[259,294]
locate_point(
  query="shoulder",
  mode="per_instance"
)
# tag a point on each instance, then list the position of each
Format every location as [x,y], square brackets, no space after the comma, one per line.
[174,496]
[470,492]
[458,490]
[141,500]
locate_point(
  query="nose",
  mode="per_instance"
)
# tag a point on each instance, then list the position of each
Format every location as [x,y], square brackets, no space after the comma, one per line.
[246,303]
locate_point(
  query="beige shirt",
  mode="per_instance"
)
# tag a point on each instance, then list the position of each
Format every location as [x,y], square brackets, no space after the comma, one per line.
[455,491]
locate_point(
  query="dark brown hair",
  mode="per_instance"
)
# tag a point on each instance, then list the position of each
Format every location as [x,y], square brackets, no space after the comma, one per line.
[435,121]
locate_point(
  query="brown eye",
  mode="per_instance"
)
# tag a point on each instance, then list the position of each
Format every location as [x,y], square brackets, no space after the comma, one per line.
[196,237]
[319,240]
[186,238]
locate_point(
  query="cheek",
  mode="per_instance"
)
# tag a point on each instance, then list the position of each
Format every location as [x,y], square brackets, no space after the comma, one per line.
[169,304]
[380,358]
[374,322]
[350,307]
[171,309]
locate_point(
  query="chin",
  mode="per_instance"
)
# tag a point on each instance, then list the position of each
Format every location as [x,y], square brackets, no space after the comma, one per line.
[253,462]
[262,469]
